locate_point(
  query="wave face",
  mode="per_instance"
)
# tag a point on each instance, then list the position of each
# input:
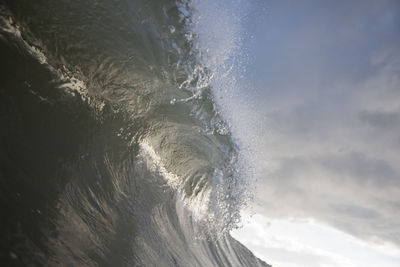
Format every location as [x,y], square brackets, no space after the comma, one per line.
[113,151]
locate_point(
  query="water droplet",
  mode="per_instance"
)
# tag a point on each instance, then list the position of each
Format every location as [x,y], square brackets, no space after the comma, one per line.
[171,28]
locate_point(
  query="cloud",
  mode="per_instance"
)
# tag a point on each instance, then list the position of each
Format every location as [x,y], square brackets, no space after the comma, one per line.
[379,119]
[294,243]
[330,144]
[267,241]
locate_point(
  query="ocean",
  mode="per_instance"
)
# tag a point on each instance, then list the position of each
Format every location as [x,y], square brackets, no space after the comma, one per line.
[114,147]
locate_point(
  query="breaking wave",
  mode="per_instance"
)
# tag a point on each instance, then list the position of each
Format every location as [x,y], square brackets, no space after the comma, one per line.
[117,151]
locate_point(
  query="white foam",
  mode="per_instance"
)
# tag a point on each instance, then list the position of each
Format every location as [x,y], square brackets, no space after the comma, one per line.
[70,83]
[156,165]
[197,205]
[10,27]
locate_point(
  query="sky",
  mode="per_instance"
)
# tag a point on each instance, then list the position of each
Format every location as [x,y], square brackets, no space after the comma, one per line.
[316,98]
[307,243]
